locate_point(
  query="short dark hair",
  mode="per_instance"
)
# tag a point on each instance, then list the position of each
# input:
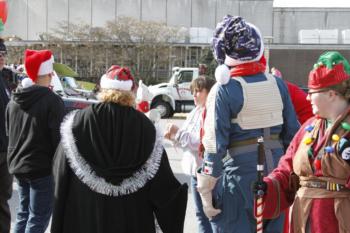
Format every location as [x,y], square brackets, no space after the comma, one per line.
[202,82]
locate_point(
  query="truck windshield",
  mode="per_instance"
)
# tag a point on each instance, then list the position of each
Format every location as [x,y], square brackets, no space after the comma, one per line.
[185,77]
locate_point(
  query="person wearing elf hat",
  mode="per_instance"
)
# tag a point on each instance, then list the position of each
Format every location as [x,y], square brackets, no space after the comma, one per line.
[143,97]
[245,104]
[317,161]
[111,171]
[33,118]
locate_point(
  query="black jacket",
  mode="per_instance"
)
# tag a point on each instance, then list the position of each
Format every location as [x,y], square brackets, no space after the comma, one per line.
[33,118]
[112,175]
[4,99]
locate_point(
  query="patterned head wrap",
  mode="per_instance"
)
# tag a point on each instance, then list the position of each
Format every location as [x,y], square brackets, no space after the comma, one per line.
[236,42]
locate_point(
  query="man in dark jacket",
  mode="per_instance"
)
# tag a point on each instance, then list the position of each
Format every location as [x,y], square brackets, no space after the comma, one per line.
[5,177]
[33,117]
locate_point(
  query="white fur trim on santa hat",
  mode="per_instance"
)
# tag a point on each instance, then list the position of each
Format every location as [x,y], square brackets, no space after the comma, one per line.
[27,82]
[107,83]
[234,62]
[46,67]
[222,74]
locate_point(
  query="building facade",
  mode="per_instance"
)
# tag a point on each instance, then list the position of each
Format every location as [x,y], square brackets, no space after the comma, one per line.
[287,30]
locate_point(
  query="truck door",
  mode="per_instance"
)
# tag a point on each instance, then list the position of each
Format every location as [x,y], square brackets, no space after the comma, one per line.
[184,84]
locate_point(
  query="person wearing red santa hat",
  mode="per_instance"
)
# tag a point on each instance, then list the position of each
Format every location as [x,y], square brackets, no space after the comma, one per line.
[33,117]
[313,177]
[111,171]
[143,97]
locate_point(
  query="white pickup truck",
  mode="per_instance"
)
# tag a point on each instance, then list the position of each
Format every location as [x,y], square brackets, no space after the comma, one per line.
[174,96]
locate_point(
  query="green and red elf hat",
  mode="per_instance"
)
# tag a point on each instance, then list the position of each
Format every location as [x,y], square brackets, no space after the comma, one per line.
[331,69]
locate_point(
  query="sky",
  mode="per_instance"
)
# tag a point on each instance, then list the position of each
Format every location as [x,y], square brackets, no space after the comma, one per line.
[311,3]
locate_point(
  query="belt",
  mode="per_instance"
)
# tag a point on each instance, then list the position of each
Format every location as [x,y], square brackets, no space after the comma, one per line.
[251,141]
[330,186]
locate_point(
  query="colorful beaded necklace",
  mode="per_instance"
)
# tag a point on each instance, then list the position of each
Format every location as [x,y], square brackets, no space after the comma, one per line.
[310,141]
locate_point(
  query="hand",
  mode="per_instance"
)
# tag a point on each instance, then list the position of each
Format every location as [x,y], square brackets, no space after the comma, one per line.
[170,131]
[259,188]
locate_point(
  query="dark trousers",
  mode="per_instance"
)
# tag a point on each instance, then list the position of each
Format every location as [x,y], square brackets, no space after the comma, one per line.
[5,194]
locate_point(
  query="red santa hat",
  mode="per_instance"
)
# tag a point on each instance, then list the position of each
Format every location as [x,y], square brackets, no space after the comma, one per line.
[118,78]
[38,62]
[331,69]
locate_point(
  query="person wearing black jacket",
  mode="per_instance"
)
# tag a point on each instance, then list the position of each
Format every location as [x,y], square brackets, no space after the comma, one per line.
[5,177]
[111,171]
[33,117]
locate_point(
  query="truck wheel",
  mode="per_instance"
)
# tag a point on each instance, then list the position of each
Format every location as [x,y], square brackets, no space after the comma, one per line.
[164,109]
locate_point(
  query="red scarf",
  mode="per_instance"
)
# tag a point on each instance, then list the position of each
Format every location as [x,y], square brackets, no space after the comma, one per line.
[250,68]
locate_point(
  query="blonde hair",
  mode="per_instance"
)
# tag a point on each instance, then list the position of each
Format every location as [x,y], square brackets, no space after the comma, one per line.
[124,98]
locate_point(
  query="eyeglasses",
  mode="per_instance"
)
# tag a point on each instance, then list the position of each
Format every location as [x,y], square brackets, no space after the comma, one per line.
[3,54]
[317,91]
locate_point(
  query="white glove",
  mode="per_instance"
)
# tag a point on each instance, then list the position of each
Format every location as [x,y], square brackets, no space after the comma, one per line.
[205,184]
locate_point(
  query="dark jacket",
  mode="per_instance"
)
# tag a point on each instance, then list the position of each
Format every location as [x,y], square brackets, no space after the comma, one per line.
[112,174]
[4,99]
[33,117]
